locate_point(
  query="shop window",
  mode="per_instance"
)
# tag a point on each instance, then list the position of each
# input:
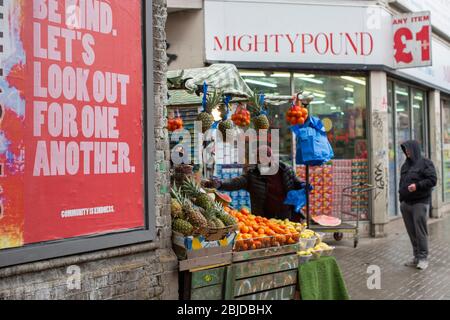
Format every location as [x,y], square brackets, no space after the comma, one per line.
[403,121]
[340,101]
[446,150]
[407,120]
[418,116]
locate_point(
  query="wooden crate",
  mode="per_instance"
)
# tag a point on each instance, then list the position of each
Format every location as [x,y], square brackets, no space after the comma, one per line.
[207,284]
[265,274]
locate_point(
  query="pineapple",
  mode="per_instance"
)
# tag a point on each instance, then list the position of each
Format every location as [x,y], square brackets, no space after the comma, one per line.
[224,217]
[194,216]
[183,226]
[206,117]
[218,223]
[260,121]
[207,120]
[193,190]
[176,208]
[225,125]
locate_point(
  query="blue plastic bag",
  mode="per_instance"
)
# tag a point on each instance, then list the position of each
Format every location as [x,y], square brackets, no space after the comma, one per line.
[312,145]
[296,198]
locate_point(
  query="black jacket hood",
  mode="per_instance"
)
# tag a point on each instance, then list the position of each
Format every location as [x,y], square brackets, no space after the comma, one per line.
[414,149]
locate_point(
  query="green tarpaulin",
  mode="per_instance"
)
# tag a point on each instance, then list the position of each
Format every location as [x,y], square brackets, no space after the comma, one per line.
[322,280]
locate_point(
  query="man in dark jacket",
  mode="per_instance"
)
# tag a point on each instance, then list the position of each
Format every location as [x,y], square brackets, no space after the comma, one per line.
[267,192]
[417,179]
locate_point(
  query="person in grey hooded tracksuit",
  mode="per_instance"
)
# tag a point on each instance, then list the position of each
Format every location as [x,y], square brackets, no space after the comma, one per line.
[417,179]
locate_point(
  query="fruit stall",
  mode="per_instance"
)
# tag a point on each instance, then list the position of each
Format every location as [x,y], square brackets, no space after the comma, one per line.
[225,251]
[232,254]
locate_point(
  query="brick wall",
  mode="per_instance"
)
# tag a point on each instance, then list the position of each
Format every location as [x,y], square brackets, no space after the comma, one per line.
[143,271]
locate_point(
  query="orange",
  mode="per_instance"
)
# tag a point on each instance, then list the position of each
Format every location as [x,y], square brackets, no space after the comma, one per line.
[261,231]
[245,211]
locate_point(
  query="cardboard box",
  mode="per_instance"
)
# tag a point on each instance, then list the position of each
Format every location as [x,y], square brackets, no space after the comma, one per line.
[193,247]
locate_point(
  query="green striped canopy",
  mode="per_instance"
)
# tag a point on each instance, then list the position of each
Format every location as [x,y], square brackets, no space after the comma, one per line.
[223,77]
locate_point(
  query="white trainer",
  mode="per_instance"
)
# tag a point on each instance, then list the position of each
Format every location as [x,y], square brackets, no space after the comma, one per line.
[422,265]
[412,263]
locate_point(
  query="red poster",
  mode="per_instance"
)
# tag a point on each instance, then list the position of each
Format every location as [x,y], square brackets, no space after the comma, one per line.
[71,133]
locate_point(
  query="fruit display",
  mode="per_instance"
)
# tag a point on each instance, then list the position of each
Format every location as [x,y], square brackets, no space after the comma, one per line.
[257,112]
[241,117]
[196,212]
[256,232]
[174,123]
[320,249]
[296,114]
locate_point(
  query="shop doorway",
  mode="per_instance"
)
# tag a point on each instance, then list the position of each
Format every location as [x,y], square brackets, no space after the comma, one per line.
[407,119]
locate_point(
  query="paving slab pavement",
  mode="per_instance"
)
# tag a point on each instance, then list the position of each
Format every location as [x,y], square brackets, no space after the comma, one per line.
[397,282]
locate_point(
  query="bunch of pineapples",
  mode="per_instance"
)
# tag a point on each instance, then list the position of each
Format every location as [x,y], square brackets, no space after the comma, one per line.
[260,120]
[194,210]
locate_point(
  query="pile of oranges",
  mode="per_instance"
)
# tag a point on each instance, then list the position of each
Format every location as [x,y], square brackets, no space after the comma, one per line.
[296,115]
[241,117]
[257,232]
[174,124]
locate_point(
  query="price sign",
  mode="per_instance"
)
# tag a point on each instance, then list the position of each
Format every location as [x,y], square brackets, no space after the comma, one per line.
[412,40]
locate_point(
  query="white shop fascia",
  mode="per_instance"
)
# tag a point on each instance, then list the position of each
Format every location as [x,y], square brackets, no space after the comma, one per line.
[303,35]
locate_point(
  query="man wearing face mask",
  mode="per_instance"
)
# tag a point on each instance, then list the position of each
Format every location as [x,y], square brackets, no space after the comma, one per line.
[267,191]
[418,178]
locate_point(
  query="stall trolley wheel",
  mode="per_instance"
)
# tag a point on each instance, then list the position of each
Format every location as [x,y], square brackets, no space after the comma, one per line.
[338,236]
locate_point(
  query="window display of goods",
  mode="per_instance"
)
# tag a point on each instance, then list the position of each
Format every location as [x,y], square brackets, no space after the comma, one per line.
[256,232]
[360,174]
[321,197]
[196,212]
